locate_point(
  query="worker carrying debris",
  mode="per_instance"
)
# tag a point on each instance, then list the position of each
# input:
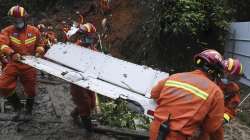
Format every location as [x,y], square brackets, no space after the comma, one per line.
[22,39]
[48,35]
[86,36]
[84,99]
[65,29]
[3,58]
[78,18]
[186,101]
[233,70]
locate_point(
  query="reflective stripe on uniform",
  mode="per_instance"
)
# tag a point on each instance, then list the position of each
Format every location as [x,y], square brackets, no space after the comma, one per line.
[30,40]
[15,40]
[194,90]
[241,69]
[22,11]
[226,117]
[230,64]
[19,42]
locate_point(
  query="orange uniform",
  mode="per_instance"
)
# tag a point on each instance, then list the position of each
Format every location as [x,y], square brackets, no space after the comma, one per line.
[49,39]
[84,100]
[3,59]
[192,100]
[232,98]
[26,42]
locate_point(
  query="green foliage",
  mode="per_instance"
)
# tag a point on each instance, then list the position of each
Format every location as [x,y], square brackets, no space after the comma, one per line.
[188,26]
[241,9]
[116,114]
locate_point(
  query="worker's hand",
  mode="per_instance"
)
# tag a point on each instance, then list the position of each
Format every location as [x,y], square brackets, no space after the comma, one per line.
[38,55]
[39,51]
[16,57]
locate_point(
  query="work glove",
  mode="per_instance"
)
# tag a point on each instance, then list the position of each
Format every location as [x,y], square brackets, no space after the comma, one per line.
[16,57]
[6,50]
[39,52]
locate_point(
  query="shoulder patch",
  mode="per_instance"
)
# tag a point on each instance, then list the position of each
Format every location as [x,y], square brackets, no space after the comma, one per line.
[30,35]
[15,34]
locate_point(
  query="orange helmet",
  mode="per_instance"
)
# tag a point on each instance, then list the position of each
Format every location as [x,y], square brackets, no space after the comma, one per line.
[233,67]
[17,12]
[88,27]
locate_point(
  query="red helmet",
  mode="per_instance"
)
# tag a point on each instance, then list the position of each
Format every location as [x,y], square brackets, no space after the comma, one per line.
[211,57]
[17,12]
[233,67]
[210,60]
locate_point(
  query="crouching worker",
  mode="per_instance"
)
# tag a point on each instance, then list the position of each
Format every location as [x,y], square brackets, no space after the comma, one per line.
[187,100]
[84,99]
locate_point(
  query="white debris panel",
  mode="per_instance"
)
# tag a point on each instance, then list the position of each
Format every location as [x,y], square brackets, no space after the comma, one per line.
[106,75]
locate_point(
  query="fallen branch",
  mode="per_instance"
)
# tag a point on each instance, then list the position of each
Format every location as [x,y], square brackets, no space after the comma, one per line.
[113,131]
[49,82]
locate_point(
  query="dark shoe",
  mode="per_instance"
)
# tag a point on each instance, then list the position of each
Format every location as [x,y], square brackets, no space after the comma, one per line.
[16,104]
[27,115]
[29,105]
[75,116]
[86,123]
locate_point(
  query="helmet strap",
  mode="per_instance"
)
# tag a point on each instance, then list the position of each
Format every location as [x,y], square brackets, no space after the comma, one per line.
[20,25]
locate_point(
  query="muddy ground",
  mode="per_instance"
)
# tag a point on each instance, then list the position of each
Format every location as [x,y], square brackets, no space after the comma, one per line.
[51,119]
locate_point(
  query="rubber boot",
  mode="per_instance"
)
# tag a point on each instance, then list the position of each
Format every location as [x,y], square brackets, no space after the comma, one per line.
[86,123]
[28,108]
[16,104]
[75,116]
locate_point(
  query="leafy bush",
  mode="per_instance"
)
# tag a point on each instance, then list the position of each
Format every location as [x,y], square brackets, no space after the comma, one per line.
[186,27]
[116,114]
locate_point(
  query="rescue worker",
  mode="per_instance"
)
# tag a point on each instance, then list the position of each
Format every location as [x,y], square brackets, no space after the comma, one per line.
[79,19]
[233,70]
[65,29]
[22,39]
[48,36]
[51,36]
[3,58]
[87,36]
[185,101]
[84,99]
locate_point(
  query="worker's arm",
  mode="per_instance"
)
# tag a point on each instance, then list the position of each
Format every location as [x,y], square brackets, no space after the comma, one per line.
[4,42]
[156,90]
[214,119]
[39,44]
